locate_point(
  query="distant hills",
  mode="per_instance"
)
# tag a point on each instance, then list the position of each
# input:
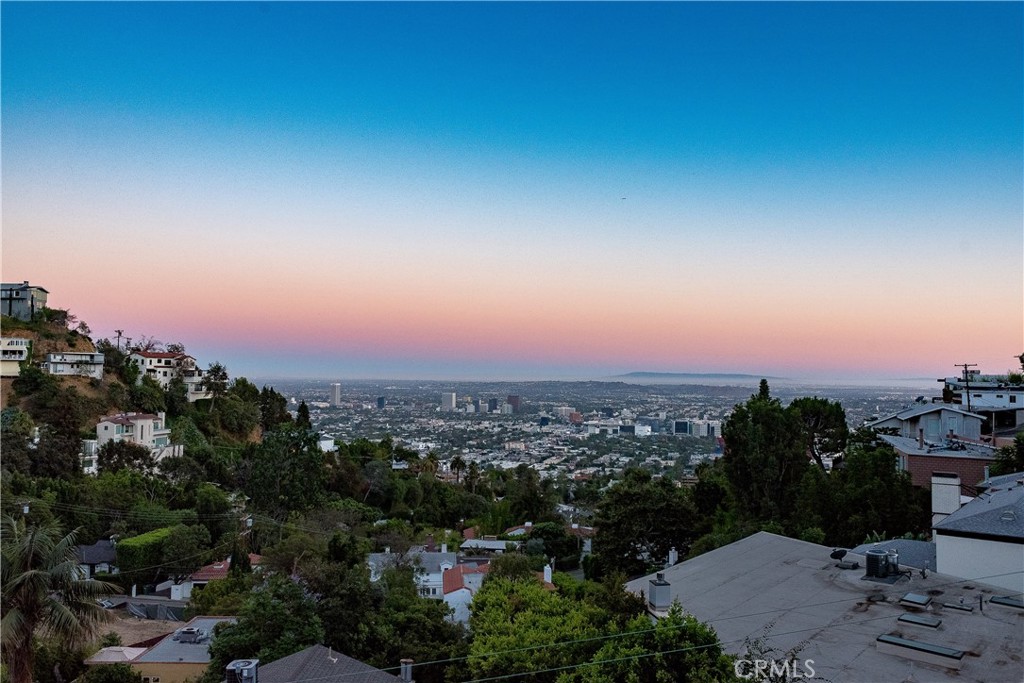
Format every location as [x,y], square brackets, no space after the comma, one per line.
[692,375]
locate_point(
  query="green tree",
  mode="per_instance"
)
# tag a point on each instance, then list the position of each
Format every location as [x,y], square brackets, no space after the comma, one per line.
[457,465]
[146,396]
[112,673]
[765,457]
[287,472]
[273,409]
[302,417]
[215,381]
[1010,459]
[118,455]
[639,521]
[678,648]
[277,620]
[824,426]
[42,592]
[185,549]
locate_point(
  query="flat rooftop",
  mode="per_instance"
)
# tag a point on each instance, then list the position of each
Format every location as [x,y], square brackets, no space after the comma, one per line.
[174,649]
[790,595]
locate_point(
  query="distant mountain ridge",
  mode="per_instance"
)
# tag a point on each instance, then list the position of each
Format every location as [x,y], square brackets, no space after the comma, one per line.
[692,375]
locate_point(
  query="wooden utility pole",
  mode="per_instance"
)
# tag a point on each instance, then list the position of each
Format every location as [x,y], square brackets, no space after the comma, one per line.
[967,381]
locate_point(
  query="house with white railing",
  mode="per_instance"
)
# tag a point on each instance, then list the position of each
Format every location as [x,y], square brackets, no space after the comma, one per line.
[13,352]
[164,366]
[74,364]
[145,429]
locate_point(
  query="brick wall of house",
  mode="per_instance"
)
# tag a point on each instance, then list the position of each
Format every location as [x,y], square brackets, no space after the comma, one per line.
[970,470]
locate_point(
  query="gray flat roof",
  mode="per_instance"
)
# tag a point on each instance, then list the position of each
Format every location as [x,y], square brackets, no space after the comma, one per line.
[910,446]
[171,650]
[790,594]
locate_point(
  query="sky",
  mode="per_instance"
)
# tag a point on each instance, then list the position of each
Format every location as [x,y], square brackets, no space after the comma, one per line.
[524,190]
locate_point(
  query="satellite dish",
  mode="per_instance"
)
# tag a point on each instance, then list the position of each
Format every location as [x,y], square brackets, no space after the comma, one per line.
[838,553]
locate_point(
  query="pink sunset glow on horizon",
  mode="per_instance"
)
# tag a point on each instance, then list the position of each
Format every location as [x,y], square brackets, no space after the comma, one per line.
[408,207]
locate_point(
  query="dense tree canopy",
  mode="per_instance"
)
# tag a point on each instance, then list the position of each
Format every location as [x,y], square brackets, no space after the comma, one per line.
[639,521]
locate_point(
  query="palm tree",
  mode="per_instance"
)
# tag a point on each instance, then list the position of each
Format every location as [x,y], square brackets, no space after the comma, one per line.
[43,593]
[458,464]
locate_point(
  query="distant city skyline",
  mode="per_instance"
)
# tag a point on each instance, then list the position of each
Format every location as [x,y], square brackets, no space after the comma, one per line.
[525,190]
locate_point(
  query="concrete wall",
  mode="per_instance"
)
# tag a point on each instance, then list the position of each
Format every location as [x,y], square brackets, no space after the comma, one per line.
[973,558]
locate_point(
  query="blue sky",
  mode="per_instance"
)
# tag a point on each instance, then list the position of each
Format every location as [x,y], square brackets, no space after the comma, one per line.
[697,179]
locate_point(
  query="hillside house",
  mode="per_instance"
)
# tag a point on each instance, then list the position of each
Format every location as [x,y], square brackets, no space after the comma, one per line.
[13,352]
[430,567]
[21,300]
[164,366]
[74,364]
[144,429]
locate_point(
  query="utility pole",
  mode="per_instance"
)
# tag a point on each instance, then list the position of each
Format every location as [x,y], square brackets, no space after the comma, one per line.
[967,380]
[118,333]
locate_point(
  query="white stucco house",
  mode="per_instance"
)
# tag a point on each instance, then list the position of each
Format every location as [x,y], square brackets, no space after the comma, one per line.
[75,364]
[144,429]
[430,567]
[163,366]
[13,352]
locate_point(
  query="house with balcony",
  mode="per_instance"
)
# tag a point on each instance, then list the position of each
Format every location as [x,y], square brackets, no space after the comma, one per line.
[164,366]
[13,352]
[998,399]
[145,429]
[21,300]
[74,364]
[429,566]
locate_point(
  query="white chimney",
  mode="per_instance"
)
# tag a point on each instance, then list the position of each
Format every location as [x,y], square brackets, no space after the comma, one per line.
[406,671]
[945,495]
[673,557]
[547,573]
[444,547]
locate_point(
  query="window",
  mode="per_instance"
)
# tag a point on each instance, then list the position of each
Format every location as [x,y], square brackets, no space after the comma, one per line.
[1013,399]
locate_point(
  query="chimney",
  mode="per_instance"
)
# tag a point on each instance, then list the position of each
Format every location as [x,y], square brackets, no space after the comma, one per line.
[920,439]
[659,593]
[444,547]
[986,474]
[406,672]
[547,573]
[673,557]
[945,495]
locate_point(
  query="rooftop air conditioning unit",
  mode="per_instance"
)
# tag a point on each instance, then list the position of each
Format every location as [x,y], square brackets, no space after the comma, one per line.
[241,671]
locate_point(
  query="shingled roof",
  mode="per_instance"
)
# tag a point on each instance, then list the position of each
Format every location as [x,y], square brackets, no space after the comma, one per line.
[320,664]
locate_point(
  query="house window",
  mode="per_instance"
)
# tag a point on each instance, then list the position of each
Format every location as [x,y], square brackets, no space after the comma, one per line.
[1013,399]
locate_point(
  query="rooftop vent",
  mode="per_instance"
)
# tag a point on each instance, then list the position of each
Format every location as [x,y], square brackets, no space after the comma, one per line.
[242,671]
[660,593]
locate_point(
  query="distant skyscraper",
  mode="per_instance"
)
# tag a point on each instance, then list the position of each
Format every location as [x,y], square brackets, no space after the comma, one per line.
[381,402]
[515,402]
[448,400]
[336,394]
[492,405]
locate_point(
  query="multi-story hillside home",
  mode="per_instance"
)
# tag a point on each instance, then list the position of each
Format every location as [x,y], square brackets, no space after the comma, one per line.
[21,300]
[163,366]
[13,352]
[999,399]
[74,364]
[144,429]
